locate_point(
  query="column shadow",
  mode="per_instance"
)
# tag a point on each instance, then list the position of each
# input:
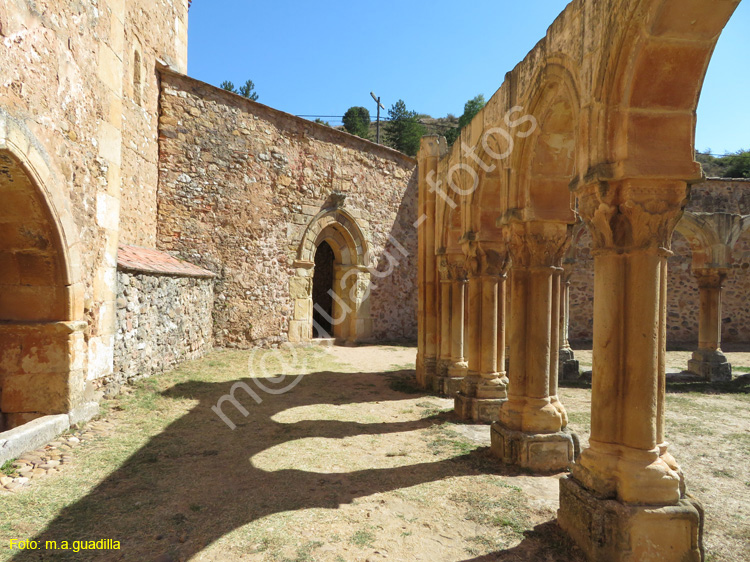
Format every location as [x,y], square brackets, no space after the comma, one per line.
[198,480]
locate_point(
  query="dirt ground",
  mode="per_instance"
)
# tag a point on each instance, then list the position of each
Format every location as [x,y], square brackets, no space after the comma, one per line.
[350,463]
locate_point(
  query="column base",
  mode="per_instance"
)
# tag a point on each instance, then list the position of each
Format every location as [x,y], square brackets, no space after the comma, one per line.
[483,410]
[609,530]
[429,372]
[710,365]
[447,385]
[542,453]
[569,369]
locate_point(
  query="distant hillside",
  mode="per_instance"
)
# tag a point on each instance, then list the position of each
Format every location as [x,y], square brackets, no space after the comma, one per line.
[435,126]
[730,166]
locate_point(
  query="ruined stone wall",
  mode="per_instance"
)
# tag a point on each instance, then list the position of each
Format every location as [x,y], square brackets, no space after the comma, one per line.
[162,320]
[727,196]
[240,183]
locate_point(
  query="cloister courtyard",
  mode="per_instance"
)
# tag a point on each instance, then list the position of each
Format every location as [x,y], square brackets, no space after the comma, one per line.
[352,463]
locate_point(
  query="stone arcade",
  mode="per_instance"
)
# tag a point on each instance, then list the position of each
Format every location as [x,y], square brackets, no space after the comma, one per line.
[597,122]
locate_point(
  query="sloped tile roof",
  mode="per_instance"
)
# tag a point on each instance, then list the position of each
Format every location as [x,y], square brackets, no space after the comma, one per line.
[147,260]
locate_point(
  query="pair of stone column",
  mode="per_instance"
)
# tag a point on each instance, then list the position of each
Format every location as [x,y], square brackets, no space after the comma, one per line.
[483,388]
[531,431]
[452,365]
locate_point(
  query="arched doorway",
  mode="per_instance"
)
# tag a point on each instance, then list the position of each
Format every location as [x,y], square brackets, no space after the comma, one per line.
[331,263]
[41,348]
[323,277]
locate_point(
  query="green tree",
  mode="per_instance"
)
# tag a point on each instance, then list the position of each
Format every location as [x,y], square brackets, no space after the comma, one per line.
[738,164]
[357,122]
[228,86]
[403,129]
[735,165]
[319,121]
[247,90]
[471,108]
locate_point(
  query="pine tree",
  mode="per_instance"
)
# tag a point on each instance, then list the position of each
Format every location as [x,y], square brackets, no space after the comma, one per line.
[403,130]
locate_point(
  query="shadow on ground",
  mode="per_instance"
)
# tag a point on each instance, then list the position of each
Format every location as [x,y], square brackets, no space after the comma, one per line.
[196,481]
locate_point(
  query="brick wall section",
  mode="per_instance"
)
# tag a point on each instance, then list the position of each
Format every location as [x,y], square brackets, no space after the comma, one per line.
[239,184]
[714,195]
[164,313]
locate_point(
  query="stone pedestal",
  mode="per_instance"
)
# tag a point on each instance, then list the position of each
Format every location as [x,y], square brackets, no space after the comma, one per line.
[570,368]
[539,452]
[447,386]
[472,404]
[429,371]
[711,365]
[612,531]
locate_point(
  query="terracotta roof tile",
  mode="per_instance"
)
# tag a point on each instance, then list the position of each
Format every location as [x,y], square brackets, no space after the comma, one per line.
[147,260]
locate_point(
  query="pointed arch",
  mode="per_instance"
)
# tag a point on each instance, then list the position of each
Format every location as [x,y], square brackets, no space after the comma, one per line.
[350,318]
[42,346]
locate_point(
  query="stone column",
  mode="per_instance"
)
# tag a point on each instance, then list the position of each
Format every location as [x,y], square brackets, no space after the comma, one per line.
[428,158]
[708,361]
[444,333]
[483,389]
[459,366]
[626,479]
[531,431]
[569,368]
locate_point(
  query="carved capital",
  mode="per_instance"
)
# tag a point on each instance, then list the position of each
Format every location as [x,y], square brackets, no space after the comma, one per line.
[631,214]
[710,277]
[537,243]
[485,258]
[458,271]
[443,267]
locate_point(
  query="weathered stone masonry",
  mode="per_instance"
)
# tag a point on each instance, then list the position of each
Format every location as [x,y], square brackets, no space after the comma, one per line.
[164,314]
[242,184]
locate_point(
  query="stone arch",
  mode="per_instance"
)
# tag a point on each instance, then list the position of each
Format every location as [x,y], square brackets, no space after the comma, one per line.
[351,308]
[41,329]
[547,160]
[650,84]
[341,230]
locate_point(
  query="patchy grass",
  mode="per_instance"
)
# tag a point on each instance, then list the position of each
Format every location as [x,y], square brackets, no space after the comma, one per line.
[363,538]
[404,382]
[443,439]
[8,469]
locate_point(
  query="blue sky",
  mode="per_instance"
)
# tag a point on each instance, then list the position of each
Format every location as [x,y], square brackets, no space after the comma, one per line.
[320,58]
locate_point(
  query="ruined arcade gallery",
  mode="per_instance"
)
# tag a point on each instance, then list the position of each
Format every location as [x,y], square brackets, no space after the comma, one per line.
[210,309]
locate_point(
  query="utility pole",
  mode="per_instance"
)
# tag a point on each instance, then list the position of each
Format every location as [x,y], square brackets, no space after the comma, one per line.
[377,126]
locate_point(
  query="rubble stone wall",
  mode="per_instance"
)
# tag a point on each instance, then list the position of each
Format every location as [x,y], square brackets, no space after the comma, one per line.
[162,320]
[241,182]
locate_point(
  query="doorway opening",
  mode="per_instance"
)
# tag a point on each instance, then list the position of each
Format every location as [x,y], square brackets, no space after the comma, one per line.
[323,277]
